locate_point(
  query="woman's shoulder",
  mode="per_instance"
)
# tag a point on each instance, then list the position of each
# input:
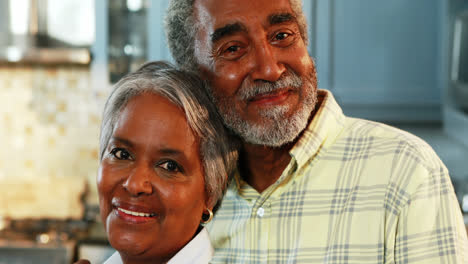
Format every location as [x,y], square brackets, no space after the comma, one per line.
[198,250]
[114,259]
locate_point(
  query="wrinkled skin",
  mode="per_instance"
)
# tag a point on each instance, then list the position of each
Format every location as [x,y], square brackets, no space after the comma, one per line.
[151,166]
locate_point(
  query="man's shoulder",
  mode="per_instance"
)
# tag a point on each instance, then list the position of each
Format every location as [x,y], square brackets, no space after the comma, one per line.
[392,139]
[383,131]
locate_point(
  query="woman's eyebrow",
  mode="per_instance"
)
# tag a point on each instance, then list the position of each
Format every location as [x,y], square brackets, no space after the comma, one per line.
[121,140]
[170,151]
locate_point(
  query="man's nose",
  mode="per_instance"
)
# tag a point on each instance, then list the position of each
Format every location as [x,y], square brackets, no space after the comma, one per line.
[138,181]
[266,66]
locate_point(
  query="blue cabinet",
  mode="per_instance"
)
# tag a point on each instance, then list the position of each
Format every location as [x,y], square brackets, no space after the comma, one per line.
[382,59]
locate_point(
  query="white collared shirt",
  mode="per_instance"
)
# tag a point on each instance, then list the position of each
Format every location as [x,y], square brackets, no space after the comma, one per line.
[198,250]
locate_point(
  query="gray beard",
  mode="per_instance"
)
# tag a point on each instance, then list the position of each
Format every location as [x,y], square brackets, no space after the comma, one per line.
[276,129]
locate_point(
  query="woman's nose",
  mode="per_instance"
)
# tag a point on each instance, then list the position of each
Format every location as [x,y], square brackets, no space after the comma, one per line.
[266,66]
[138,181]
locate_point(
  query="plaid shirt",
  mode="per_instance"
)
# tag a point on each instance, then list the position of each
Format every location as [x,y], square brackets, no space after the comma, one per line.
[354,191]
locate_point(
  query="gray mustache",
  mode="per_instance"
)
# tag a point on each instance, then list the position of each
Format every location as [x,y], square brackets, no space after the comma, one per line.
[248,91]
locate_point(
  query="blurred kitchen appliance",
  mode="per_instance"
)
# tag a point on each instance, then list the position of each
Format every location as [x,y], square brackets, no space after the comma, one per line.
[455,108]
[53,241]
[46,31]
[41,219]
[459,69]
[39,241]
[127,34]
[36,255]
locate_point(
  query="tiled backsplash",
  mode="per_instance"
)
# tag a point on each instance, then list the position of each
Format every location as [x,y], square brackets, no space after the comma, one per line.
[50,118]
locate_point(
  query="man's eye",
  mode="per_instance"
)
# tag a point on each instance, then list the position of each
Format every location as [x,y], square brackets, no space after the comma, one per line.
[121,154]
[170,166]
[281,36]
[232,49]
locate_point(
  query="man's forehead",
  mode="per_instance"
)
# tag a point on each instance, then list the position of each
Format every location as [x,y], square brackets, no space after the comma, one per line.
[215,14]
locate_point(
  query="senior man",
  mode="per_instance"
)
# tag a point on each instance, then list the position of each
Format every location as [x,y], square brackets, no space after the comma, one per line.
[314,186]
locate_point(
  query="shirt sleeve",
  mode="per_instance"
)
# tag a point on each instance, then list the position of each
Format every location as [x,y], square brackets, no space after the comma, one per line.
[430,226]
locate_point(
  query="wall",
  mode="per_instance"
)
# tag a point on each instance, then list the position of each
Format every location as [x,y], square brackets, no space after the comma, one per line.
[50,120]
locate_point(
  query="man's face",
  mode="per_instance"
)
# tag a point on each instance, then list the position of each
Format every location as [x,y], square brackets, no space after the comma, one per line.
[262,78]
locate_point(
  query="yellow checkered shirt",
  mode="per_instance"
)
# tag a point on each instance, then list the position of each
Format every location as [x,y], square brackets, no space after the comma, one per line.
[355,191]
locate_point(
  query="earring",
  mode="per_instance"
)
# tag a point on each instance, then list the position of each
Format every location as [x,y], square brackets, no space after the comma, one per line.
[210,213]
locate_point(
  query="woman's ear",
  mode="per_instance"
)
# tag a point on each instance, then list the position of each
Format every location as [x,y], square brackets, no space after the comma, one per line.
[210,202]
[207,214]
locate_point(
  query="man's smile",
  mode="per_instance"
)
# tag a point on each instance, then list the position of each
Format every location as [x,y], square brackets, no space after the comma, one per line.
[276,97]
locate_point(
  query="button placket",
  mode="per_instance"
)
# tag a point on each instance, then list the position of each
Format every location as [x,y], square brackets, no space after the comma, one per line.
[260,212]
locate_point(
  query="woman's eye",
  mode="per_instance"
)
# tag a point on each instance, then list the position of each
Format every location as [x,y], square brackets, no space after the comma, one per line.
[170,166]
[121,154]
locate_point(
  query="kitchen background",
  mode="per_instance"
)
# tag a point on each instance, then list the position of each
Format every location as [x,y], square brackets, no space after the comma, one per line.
[401,62]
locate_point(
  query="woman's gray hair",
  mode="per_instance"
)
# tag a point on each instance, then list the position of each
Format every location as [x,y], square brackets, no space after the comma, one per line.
[181,28]
[218,152]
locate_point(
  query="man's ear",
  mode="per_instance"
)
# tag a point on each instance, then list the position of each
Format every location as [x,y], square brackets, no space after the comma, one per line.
[203,72]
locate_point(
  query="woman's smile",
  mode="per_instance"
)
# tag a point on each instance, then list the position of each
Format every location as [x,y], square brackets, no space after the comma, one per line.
[154,192]
[128,212]
[135,217]
[134,213]
[150,182]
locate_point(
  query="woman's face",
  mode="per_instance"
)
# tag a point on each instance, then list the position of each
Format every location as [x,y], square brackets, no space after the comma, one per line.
[150,181]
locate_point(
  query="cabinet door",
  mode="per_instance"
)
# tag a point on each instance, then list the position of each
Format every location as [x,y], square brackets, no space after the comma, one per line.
[128,33]
[381,59]
[157,44]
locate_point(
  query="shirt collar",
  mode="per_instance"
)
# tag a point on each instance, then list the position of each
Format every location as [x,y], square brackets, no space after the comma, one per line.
[114,259]
[198,250]
[321,132]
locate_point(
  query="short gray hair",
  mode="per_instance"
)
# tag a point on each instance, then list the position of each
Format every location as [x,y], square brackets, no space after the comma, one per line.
[218,152]
[181,28]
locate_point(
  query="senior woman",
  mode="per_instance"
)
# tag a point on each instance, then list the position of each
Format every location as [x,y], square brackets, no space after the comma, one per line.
[165,158]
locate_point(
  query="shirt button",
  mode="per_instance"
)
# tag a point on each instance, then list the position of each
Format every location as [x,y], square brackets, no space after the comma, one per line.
[260,212]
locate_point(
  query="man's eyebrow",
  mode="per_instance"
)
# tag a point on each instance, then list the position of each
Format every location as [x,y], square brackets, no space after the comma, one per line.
[227,30]
[281,18]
